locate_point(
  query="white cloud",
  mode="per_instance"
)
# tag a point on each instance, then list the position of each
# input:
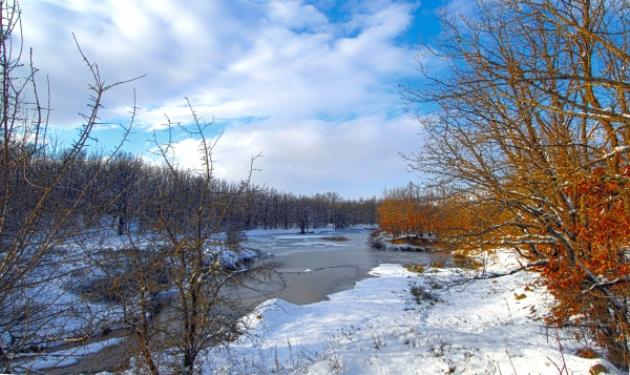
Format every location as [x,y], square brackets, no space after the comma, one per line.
[301,74]
[243,59]
[356,158]
[294,14]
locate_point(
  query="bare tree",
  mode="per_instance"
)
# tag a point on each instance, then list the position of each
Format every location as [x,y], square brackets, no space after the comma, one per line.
[172,281]
[533,122]
[36,205]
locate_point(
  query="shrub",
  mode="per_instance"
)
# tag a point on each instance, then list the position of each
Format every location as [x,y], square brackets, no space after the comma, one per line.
[416,268]
[423,295]
[586,353]
[376,240]
[464,261]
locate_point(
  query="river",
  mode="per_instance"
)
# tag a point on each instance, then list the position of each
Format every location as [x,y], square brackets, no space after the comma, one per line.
[314,266]
[309,268]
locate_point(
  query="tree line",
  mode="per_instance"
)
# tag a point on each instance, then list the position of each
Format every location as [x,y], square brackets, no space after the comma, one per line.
[124,193]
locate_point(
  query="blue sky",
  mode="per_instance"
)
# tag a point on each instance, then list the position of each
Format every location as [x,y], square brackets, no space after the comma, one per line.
[310,85]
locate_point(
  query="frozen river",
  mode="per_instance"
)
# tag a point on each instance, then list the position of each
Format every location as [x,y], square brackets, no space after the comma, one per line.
[313,266]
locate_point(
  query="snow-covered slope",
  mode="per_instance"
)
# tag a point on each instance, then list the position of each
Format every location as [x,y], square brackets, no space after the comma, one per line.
[450,324]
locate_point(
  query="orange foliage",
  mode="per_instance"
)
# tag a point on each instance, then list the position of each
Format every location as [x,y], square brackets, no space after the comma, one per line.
[450,218]
[602,240]
[400,216]
[596,249]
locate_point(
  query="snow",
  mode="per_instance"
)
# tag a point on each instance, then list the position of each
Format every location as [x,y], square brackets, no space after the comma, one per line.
[69,356]
[235,258]
[397,322]
[69,315]
[458,325]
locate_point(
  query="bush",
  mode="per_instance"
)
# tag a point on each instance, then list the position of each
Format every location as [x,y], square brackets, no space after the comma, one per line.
[417,268]
[376,240]
[587,353]
[466,262]
[422,295]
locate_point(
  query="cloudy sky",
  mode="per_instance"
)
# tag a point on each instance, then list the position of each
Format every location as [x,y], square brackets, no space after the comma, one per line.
[313,86]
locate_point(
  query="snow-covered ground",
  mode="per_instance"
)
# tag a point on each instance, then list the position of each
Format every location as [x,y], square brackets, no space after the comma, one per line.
[399,322]
[73,268]
[70,356]
[450,324]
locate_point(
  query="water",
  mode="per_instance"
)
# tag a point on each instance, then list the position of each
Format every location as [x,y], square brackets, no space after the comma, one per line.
[309,267]
[314,267]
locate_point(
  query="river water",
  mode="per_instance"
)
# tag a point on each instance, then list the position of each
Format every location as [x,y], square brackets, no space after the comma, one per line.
[307,268]
[314,266]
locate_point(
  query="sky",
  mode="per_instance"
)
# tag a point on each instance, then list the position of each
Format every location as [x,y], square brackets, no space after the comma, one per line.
[311,86]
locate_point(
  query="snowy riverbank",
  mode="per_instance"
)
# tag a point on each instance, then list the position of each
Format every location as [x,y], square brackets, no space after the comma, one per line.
[450,324]
[382,240]
[92,259]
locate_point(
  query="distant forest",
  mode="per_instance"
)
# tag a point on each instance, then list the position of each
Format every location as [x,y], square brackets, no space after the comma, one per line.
[125,193]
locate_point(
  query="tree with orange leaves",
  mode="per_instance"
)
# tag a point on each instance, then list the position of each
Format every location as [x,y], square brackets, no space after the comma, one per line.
[404,212]
[533,132]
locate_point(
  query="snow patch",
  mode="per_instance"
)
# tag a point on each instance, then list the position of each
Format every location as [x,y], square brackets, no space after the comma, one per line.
[69,356]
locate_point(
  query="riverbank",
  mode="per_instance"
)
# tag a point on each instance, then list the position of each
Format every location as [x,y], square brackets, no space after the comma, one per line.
[382,240]
[108,350]
[401,322]
[90,325]
[382,318]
